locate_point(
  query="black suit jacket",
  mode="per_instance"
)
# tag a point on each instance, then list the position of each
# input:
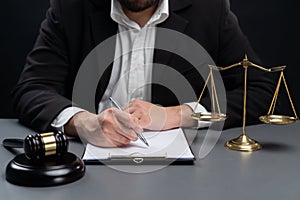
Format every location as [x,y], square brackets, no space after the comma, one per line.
[73,28]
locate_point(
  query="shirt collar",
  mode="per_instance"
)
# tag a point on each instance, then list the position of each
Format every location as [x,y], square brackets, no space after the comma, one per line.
[160,15]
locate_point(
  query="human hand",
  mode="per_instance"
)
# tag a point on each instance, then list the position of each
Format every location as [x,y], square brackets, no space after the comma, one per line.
[110,128]
[155,117]
[150,116]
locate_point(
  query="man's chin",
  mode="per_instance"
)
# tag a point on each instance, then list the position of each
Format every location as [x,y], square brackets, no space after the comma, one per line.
[138,5]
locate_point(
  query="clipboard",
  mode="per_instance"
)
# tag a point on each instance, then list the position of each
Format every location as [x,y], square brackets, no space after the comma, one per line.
[165,147]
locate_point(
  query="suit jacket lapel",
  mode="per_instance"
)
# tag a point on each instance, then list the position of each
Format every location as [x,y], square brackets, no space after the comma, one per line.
[103,27]
[174,22]
[160,95]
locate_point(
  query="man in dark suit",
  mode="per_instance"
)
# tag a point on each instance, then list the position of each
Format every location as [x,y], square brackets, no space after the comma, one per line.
[73,28]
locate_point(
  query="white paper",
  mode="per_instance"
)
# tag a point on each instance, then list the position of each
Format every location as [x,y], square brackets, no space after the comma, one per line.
[170,144]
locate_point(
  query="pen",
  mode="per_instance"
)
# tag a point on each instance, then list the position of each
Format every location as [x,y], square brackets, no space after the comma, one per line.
[140,136]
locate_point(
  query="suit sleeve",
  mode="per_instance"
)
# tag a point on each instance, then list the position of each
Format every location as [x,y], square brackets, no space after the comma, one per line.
[233,46]
[39,94]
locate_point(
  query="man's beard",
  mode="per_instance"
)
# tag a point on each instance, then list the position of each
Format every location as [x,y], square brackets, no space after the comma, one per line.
[138,5]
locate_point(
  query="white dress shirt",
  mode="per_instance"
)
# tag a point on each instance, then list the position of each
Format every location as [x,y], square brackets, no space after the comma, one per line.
[132,67]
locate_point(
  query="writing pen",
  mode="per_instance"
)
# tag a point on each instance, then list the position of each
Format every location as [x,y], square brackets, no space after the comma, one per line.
[140,136]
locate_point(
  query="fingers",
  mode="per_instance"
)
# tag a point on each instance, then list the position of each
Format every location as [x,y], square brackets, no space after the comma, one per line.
[108,129]
[150,116]
[104,141]
[143,116]
[127,121]
[115,138]
[140,110]
[118,126]
[136,105]
[126,132]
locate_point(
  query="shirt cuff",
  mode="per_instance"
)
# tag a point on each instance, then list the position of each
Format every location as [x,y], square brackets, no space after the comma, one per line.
[199,108]
[64,116]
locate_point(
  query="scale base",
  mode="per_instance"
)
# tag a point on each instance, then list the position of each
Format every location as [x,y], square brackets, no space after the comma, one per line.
[243,143]
[51,172]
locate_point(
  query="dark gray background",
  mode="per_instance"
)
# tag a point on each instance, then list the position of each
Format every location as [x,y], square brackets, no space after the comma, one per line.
[271,27]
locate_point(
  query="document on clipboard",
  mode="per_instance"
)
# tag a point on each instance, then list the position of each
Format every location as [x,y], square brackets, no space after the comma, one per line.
[164,146]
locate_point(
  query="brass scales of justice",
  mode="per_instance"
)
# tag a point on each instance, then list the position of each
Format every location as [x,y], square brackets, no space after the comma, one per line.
[244,142]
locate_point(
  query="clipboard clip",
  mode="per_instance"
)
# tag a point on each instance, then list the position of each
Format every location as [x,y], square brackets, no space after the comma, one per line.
[137,158]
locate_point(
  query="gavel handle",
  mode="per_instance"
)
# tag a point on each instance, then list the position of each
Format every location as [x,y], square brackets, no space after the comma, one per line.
[13,143]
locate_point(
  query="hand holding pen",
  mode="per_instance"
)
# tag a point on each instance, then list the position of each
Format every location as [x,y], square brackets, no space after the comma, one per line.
[140,136]
[110,128]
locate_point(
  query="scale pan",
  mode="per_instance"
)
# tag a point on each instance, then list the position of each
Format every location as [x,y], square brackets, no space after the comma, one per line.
[277,119]
[207,116]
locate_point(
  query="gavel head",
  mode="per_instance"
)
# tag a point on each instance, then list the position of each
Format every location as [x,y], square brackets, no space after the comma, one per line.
[38,147]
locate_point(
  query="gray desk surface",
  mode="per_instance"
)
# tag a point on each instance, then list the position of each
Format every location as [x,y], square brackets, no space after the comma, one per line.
[270,173]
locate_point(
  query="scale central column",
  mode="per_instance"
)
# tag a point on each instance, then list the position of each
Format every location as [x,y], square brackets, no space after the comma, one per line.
[244,142]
